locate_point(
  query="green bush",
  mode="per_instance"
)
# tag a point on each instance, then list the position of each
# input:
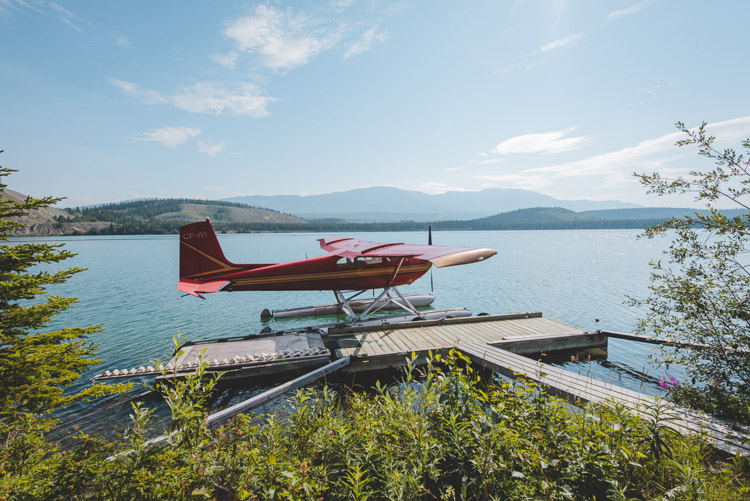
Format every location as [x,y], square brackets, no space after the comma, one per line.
[448,435]
[700,291]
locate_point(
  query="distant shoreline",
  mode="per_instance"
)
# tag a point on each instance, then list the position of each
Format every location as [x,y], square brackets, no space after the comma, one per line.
[165,216]
[107,229]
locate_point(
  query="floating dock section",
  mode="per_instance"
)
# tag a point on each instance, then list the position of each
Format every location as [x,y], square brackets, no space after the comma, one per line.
[383,347]
[375,344]
[239,357]
[575,388]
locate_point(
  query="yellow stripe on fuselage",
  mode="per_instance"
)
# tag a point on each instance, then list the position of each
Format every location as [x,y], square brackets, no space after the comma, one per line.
[357,273]
[222,266]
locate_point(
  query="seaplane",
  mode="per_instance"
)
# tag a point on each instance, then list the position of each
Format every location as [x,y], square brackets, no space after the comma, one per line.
[349,266]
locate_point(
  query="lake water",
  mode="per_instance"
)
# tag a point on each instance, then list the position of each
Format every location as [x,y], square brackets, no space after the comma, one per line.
[574,276]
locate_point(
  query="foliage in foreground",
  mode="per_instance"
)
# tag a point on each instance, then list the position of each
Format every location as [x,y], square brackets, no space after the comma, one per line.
[449,436]
[701,293]
[36,364]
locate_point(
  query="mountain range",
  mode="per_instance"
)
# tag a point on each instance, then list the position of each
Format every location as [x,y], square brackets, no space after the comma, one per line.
[387,204]
[149,216]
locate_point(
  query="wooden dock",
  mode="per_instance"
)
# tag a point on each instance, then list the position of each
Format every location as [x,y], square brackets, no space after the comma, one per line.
[384,347]
[576,388]
[376,345]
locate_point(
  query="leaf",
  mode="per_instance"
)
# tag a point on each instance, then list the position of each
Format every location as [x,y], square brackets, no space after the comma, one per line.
[203,491]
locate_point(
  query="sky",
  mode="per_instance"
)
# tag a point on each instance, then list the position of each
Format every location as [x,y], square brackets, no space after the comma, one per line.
[110,101]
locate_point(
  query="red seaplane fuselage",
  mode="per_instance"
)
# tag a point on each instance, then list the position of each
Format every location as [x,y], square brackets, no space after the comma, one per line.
[350,264]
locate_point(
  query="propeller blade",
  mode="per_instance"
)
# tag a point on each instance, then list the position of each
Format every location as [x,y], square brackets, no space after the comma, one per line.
[429,242]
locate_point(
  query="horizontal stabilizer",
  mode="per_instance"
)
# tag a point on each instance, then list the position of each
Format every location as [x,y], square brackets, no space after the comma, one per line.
[439,255]
[197,287]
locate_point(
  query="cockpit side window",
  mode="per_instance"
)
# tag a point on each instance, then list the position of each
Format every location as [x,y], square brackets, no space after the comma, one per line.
[345,263]
[359,262]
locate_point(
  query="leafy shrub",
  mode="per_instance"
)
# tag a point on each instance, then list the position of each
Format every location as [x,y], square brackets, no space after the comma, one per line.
[448,435]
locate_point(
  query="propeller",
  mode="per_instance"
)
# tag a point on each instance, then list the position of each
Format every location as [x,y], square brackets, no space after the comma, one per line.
[429,242]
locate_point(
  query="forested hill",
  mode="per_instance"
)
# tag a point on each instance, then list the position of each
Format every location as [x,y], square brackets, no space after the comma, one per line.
[167,215]
[544,218]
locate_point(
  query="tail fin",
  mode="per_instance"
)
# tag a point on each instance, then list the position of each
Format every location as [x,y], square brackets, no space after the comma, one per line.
[200,252]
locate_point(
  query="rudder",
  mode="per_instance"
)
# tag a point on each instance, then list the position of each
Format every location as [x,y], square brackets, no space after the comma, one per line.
[200,252]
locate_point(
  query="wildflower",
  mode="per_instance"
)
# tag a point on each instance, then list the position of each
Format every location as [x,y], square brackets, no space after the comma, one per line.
[672,384]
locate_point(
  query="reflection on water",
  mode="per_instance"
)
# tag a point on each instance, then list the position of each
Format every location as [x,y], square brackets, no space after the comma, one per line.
[580,277]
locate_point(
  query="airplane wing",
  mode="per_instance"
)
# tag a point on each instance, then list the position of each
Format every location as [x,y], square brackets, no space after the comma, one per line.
[438,255]
[196,287]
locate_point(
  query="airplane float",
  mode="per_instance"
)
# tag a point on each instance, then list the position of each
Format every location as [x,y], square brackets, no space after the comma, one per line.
[348,265]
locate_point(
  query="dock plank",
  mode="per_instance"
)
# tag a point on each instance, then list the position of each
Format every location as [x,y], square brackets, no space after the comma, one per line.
[464,332]
[425,339]
[389,342]
[395,337]
[373,344]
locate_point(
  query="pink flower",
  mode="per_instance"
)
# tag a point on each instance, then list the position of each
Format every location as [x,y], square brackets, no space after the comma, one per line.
[671,385]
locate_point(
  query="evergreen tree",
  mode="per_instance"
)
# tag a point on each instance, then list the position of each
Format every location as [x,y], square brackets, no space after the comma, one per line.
[36,365]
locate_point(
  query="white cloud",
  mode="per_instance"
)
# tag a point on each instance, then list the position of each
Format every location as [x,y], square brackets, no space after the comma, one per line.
[283,39]
[648,155]
[365,42]
[341,5]
[435,188]
[455,169]
[731,131]
[549,142]
[208,97]
[148,96]
[123,42]
[227,60]
[239,98]
[519,180]
[558,44]
[171,137]
[615,168]
[627,11]
[46,8]
[211,149]
[68,17]
[490,161]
